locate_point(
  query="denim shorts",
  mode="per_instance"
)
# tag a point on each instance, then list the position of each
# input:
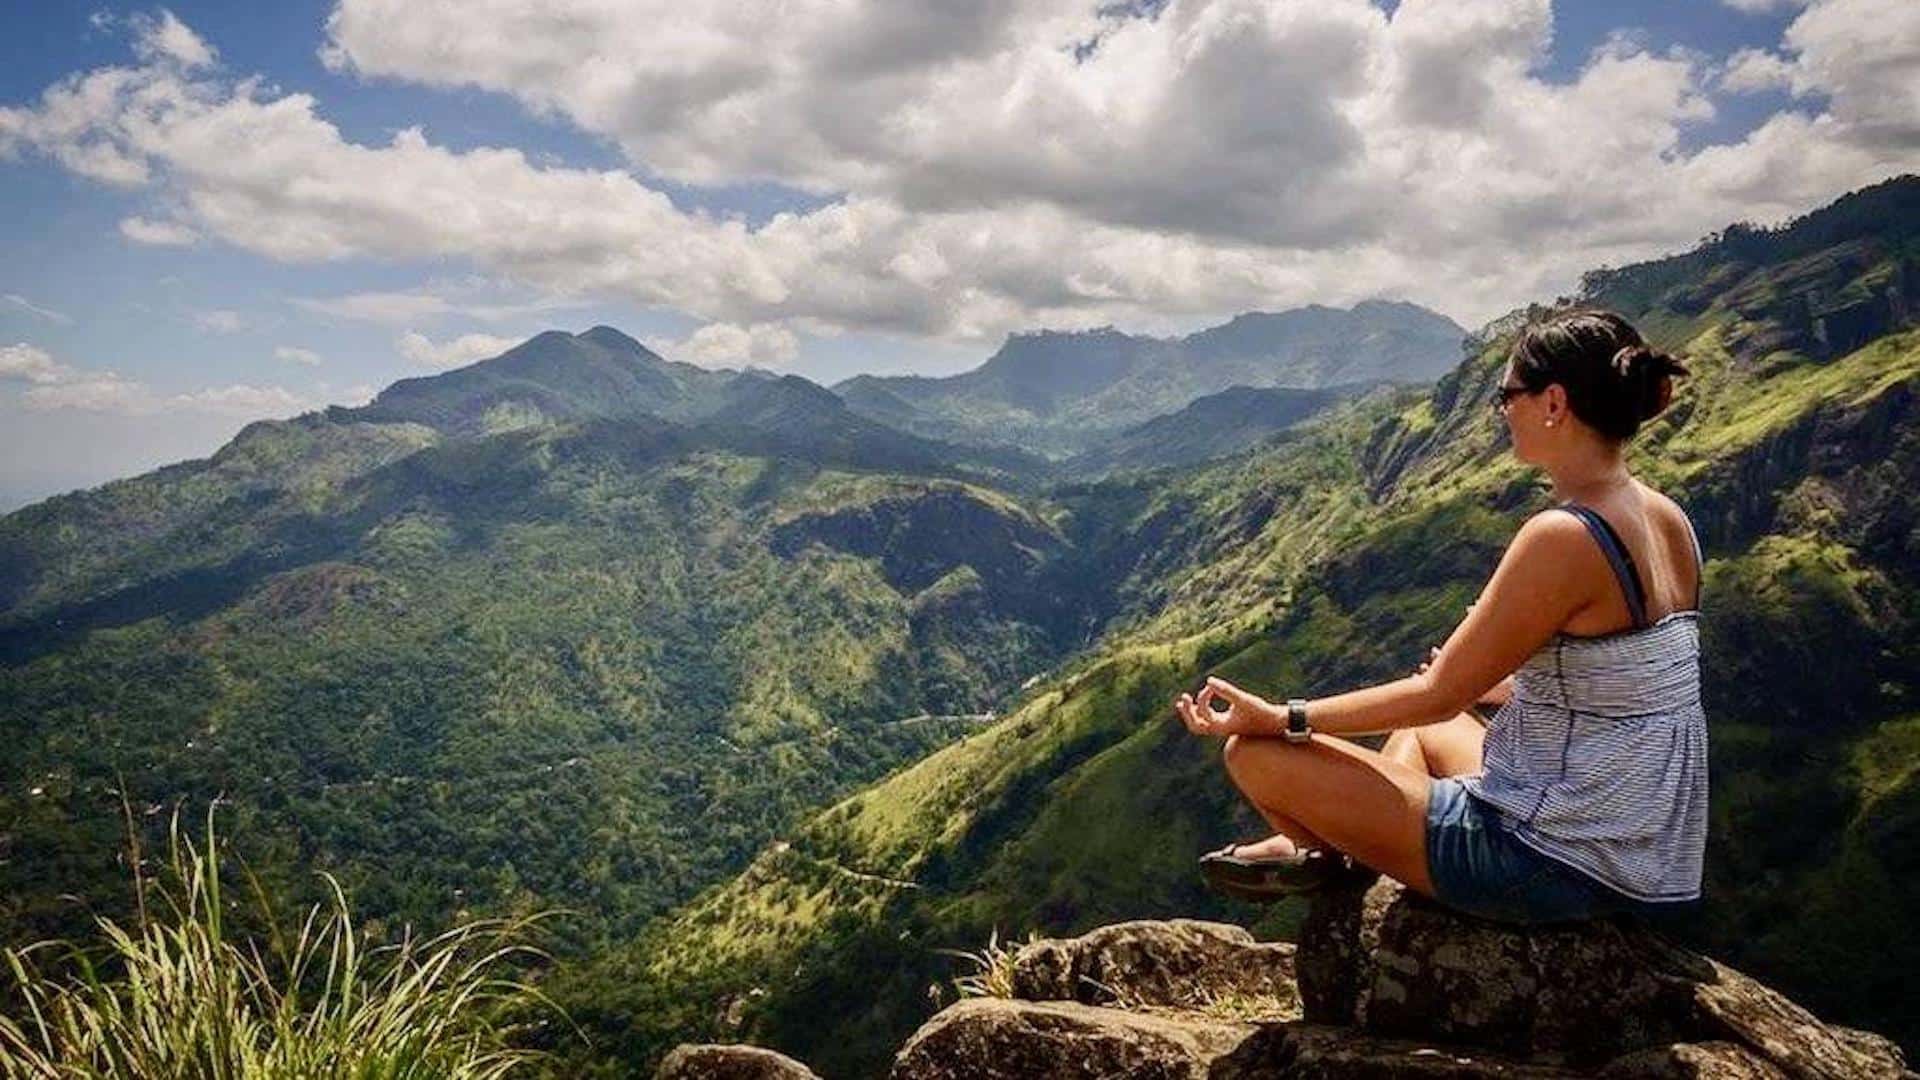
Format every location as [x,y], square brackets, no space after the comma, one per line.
[1478,866]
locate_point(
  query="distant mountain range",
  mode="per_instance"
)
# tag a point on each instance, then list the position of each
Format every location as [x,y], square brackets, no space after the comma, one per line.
[1062,393]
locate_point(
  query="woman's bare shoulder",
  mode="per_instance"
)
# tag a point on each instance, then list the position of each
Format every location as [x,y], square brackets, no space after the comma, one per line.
[1668,516]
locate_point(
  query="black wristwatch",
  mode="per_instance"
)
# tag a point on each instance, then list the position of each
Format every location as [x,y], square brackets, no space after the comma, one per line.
[1298,730]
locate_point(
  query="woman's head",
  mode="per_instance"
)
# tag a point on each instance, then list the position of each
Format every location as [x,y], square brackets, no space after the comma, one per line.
[1590,364]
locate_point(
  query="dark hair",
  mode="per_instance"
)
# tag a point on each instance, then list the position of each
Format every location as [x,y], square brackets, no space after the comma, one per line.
[1614,381]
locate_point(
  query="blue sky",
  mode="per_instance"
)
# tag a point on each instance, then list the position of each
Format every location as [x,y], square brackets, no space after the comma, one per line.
[942,179]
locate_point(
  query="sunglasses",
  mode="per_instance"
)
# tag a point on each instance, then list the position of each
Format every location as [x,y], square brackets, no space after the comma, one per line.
[1507,392]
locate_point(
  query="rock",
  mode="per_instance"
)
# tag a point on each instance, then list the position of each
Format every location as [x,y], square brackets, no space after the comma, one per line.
[1745,1010]
[1391,963]
[714,1061]
[1305,1051]
[1181,963]
[999,1039]
[1343,927]
[1687,1061]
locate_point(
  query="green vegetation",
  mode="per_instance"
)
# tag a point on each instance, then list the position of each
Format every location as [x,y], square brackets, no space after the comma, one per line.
[180,993]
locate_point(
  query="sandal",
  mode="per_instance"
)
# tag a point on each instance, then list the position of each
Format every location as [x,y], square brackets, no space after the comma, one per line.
[1273,878]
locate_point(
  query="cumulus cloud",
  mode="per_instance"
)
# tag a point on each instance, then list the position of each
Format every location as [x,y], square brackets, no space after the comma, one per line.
[21,362]
[1763,7]
[1001,164]
[47,313]
[727,345]
[158,233]
[456,352]
[165,39]
[52,384]
[293,354]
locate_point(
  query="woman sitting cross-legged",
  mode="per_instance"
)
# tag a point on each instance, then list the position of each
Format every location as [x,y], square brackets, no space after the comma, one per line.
[1586,793]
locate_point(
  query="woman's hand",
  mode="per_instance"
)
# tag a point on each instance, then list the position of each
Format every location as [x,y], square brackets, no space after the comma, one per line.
[1246,713]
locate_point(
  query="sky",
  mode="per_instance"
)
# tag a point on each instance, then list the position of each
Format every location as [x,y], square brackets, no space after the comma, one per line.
[224,211]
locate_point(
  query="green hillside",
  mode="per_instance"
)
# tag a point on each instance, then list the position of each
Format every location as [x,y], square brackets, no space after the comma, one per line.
[1336,558]
[591,666]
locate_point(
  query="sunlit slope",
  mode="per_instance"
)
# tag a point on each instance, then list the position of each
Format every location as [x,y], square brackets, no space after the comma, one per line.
[1335,560]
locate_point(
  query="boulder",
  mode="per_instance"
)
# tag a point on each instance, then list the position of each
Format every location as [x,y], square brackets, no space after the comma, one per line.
[1305,1051]
[716,1061]
[1178,964]
[1390,963]
[999,1039]
[1693,1061]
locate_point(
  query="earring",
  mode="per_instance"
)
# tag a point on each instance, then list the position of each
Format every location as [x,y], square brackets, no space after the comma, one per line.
[1549,423]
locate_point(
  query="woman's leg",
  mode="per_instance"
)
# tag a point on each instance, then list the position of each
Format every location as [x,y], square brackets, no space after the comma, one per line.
[1347,797]
[1448,748]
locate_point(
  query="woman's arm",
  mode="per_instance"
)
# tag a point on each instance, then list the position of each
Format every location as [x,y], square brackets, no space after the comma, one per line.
[1545,577]
[1533,592]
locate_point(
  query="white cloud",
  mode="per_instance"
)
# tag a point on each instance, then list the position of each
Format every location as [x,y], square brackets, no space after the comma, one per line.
[293,354]
[468,298]
[159,233]
[29,306]
[21,362]
[166,38]
[1763,7]
[456,352]
[52,384]
[219,321]
[1002,164]
[240,399]
[102,391]
[727,345]
[380,307]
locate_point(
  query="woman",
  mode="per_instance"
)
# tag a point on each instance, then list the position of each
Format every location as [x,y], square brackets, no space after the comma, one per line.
[1587,792]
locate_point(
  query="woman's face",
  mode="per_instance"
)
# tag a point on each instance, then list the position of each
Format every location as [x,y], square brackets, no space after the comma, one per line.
[1520,408]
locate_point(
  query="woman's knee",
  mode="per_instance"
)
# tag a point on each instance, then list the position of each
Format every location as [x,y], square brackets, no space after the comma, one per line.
[1240,750]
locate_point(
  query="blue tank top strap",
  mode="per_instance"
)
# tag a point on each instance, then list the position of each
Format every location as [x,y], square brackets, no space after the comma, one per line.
[1699,561]
[1617,557]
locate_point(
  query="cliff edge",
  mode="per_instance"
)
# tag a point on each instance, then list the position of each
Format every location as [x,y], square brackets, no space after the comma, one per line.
[1384,984]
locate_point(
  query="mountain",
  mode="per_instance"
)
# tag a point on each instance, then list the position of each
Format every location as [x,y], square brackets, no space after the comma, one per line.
[1214,426]
[553,377]
[1062,393]
[1331,559]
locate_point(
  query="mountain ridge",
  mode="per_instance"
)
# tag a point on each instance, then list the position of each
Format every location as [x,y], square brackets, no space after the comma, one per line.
[1062,392]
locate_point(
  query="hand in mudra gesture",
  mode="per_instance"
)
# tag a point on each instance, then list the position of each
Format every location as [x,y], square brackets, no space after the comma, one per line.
[1246,713]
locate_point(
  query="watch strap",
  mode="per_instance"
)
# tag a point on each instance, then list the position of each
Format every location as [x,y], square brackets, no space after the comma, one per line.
[1298,730]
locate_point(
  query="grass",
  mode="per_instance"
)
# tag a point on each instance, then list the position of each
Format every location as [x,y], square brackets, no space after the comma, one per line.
[992,974]
[178,994]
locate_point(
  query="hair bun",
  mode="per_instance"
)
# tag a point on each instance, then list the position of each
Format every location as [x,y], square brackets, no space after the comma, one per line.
[1651,375]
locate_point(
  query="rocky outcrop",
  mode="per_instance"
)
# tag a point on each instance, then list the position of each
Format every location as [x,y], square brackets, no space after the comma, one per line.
[1391,986]
[998,1039]
[717,1061]
[1180,964]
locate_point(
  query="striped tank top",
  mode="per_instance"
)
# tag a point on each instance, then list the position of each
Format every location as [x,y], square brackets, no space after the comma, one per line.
[1599,759]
